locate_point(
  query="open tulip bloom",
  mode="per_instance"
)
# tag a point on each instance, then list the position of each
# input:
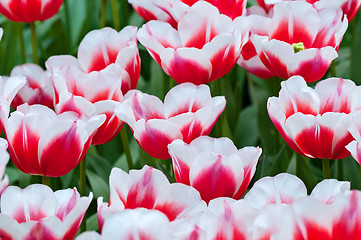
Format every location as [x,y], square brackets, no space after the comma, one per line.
[349,7]
[104,48]
[171,11]
[29,10]
[332,211]
[148,188]
[38,88]
[296,39]
[132,224]
[44,143]
[90,95]
[315,122]
[188,112]
[204,47]
[215,167]
[37,212]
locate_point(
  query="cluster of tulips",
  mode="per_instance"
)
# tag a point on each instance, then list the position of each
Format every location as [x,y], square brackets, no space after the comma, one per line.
[85,100]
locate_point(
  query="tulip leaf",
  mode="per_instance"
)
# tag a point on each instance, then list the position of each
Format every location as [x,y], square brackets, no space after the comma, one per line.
[356,50]
[99,165]
[92,223]
[98,186]
[246,130]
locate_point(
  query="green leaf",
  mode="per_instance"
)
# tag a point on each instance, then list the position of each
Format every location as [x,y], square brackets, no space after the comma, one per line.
[356,50]
[92,223]
[246,130]
[99,187]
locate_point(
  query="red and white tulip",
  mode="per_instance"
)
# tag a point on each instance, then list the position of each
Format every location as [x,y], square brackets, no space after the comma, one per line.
[38,89]
[148,188]
[37,212]
[349,7]
[315,122]
[188,112]
[29,10]
[104,48]
[204,46]
[44,143]
[296,39]
[132,224]
[215,167]
[169,11]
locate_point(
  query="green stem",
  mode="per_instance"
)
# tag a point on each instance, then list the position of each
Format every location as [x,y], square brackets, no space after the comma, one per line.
[125,9]
[102,13]
[21,40]
[340,169]
[116,23]
[67,21]
[45,180]
[125,142]
[83,189]
[34,43]
[326,168]
[216,91]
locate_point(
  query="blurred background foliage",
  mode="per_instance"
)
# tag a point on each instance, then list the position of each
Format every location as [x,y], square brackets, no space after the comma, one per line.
[245,119]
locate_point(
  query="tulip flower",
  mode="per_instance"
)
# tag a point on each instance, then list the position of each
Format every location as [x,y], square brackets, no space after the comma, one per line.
[90,95]
[148,188]
[29,10]
[285,189]
[188,112]
[169,11]
[198,51]
[308,218]
[315,122]
[349,7]
[37,212]
[131,224]
[215,167]
[44,143]
[296,39]
[4,159]
[104,48]
[38,88]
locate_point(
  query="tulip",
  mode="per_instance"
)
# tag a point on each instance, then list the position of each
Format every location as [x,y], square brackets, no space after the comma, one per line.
[197,51]
[90,95]
[44,143]
[38,88]
[315,122]
[214,166]
[169,11]
[349,7]
[29,10]
[104,48]
[37,212]
[285,189]
[131,224]
[148,188]
[285,50]
[188,112]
